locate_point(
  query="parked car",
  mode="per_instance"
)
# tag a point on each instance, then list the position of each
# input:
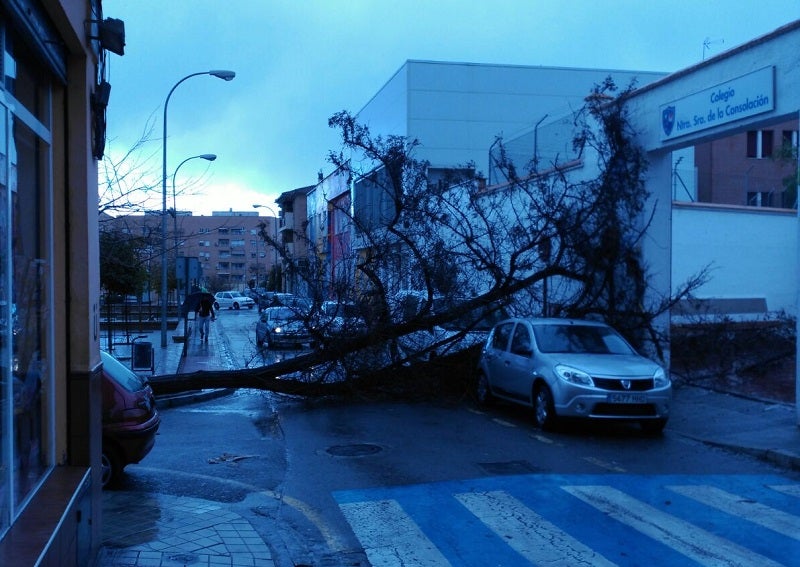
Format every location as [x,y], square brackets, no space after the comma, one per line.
[232,300]
[130,418]
[572,368]
[281,327]
[339,319]
[274,299]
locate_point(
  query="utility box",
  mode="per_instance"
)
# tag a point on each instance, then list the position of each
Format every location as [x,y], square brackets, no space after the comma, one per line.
[143,357]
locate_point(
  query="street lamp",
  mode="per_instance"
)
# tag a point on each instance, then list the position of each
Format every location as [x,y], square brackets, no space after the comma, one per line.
[275,227]
[220,74]
[207,157]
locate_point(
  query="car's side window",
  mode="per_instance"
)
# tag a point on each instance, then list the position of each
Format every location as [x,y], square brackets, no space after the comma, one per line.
[501,335]
[521,341]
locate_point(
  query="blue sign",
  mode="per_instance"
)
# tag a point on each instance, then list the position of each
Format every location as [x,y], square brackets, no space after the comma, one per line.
[738,98]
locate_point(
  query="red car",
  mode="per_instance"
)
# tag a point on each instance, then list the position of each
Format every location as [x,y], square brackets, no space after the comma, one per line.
[130,418]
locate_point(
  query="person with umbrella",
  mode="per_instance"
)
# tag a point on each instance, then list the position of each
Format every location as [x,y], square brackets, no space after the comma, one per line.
[205,314]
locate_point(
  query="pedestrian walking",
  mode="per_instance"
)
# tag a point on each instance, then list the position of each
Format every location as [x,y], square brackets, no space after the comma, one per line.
[205,314]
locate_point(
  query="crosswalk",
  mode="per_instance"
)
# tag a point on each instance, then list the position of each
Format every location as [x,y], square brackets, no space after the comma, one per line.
[569,520]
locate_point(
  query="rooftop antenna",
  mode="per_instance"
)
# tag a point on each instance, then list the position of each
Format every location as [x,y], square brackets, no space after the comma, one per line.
[707,43]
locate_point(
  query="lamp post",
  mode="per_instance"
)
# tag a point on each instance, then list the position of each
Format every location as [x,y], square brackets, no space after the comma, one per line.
[207,157]
[220,74]
[275,227]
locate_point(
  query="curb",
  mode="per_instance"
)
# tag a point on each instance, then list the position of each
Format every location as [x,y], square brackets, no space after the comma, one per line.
[186,398]
[778,457]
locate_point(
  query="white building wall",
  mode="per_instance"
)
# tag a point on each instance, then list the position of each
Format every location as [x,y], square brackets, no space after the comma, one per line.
[751,252]
[456,110]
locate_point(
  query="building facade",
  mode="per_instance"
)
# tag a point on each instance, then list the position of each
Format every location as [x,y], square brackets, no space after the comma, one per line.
[229,247]
[52,113]
[294,240]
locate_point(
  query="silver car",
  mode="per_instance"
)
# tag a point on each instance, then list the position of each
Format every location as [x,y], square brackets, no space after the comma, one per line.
[572,368]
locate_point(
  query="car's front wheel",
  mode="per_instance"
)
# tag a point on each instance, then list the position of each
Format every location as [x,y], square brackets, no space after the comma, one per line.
[543,410]
[216,306]
[483,392]
[236,305]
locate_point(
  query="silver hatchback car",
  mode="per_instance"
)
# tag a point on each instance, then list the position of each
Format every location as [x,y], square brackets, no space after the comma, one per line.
[572,368]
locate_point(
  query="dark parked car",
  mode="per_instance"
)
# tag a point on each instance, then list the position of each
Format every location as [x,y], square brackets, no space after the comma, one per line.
[281,327]
[130,418]
[572,368]
[339,319]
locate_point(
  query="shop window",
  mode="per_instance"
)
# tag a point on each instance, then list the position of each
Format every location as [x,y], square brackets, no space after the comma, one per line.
[27,408]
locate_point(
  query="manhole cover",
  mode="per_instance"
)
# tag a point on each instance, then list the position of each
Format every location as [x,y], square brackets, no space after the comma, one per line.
[355,450]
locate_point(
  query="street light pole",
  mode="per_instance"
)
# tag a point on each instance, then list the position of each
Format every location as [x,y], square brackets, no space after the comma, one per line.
[220,74]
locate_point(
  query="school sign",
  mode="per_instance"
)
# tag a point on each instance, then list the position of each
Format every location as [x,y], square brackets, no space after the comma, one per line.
[738,98]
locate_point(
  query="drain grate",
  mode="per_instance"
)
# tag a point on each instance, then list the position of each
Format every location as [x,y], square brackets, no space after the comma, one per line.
[508,468]
[354,450]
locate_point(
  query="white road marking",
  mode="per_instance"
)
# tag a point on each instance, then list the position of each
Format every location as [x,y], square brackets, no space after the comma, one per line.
[530,535]
[696,543]
[790,489]
[389,536]
[775,520]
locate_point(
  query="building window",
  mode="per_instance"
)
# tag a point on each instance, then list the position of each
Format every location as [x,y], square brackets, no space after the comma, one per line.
[759,198]
[223,242]
[789,138]
[759,144]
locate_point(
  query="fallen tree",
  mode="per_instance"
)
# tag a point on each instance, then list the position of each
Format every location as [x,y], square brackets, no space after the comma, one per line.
[447,235]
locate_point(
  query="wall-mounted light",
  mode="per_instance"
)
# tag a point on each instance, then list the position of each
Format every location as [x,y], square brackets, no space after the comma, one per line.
[111,34]
[99,102]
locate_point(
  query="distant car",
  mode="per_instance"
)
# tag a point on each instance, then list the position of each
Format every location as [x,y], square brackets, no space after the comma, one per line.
[281,327]
[130,418]
[572,368]
[232,300]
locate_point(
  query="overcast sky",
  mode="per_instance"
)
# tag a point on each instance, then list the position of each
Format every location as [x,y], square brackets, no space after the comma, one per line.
[297,62]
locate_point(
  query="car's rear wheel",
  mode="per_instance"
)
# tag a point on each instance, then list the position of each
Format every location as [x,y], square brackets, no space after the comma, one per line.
[483,392]
[110,467]
[544,413]
[653,426]
[236,305]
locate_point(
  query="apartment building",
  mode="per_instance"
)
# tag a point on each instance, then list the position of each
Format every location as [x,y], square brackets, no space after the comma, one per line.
[228,245]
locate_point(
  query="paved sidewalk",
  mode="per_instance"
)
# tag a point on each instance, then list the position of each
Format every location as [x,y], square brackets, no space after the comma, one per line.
[177,531]
[158,530]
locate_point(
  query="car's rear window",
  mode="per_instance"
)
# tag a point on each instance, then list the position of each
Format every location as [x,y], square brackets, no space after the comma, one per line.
[121,374]
[589,339]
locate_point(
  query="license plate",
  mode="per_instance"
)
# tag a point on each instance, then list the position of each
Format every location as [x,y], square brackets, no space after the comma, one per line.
[627,398]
